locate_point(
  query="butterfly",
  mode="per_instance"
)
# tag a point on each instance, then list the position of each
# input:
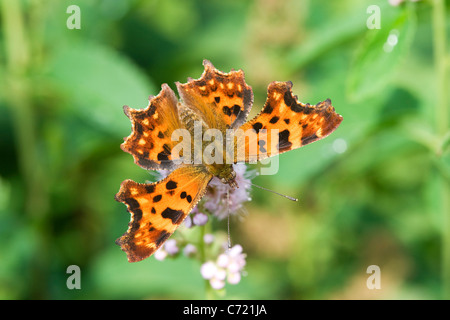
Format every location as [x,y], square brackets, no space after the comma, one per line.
[219,101]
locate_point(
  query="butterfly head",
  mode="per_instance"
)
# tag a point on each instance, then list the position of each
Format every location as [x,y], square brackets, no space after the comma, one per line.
[225,173]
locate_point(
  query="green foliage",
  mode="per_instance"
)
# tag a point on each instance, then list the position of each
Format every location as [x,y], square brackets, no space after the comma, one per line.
[373,192]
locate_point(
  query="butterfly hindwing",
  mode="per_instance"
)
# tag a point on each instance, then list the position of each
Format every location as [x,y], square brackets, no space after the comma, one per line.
[150,142]
[157,209]
[222,100]
[285,124]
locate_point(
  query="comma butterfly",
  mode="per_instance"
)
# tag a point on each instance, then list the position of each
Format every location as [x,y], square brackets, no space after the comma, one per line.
[219,101]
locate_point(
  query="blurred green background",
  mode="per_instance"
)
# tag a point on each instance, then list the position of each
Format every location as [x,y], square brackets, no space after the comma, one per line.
[375,192]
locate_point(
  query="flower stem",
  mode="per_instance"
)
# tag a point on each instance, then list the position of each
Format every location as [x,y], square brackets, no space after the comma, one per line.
[18,95]
[18,90]
[201,244]
[209,291]
[442,124]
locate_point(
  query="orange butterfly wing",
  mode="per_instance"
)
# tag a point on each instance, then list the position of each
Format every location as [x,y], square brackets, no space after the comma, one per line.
[157,209]
[296,124]
[150,141]
[221,100]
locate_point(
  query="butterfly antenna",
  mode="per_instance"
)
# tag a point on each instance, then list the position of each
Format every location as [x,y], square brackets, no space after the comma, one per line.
[228,218]
[283,195]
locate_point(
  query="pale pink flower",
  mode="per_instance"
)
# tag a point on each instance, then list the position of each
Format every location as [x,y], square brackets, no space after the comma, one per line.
[227,267]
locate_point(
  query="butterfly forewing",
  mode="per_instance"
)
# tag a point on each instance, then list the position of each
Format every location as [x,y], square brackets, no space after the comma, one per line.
[150,142]
[285,124]
[223,100]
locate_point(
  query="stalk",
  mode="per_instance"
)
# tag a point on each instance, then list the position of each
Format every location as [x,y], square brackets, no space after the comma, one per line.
[442,122]
[18,94]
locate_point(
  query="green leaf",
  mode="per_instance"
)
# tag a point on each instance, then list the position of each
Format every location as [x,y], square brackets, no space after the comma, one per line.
[320,42]
[96,82]
[380,54]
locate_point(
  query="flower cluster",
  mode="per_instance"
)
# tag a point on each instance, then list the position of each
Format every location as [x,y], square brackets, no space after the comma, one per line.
[220,200]
[195,218]
[228,266]
[169,248]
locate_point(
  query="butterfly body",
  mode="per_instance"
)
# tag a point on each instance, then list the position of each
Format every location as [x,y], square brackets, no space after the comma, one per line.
[220,169]
[211,118]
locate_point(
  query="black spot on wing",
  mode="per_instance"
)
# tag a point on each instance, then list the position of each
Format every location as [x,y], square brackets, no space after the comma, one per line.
[289,99]
[162,237]
[133,204]
[138,127]
[283,141]
[307,110]
[226,111]
[170,185]
[297,108]
[257,126]
[274,120]
[236,109]
[268,108]
[174,215]
[137,216]
[309,139]
[151,110]
[163,156]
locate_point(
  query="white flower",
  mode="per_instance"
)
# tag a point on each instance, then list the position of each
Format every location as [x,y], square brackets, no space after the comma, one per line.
[236,259]
[168,249]
[220,274]
[160,254]
[189,250]
[171,247]
[234,278]
[228,266]
[222,260]
[235,251]
[188,222]
[208,270]
[200,219]
[208,238]
[217,284]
